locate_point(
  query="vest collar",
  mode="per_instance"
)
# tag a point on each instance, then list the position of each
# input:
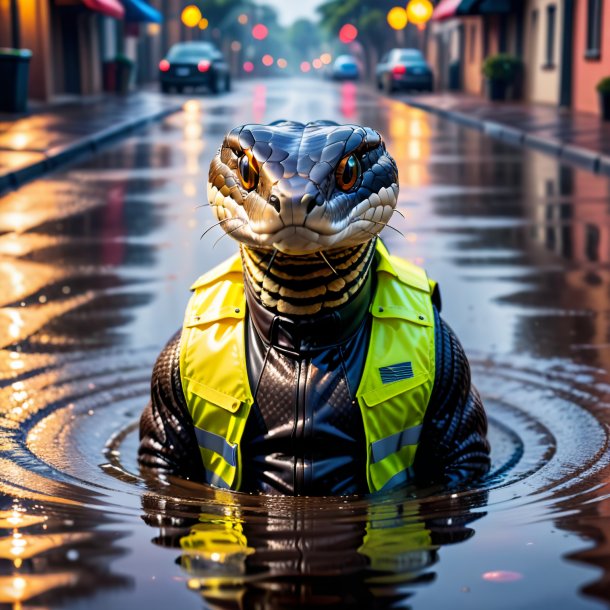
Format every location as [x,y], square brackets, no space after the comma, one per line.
[315,333]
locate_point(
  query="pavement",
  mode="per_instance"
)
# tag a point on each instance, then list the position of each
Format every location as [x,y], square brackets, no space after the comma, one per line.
[579,138]
[52,135]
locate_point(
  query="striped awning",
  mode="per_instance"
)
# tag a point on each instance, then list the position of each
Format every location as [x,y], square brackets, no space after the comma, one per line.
[486,7]
[445,9]
[111,8]
[139,11]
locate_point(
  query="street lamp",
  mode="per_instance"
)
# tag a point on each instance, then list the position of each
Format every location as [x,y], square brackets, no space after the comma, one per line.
[419,11]
[348,33]
[260,31]
[191,16]
[397,18]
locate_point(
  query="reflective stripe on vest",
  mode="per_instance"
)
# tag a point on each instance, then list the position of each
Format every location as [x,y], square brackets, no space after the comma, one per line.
[393,393]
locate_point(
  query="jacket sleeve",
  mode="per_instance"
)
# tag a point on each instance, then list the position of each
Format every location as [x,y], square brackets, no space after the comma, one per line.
[167,441]
[453,447]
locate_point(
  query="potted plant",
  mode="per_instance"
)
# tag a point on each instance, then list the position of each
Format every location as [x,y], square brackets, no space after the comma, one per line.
[124,68]
[603,87]
[501,71]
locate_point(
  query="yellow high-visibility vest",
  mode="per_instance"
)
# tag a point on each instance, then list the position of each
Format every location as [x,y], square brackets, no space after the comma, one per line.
[393,393]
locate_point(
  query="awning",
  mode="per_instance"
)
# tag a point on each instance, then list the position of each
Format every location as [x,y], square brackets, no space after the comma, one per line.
[485,7]
[445,9]
[112,8]
[138,11]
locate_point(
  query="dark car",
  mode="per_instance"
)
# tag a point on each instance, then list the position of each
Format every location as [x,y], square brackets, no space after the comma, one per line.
[194,64]
[404,69]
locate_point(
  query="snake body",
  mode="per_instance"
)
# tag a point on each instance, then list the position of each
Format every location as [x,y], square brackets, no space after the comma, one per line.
[306,203]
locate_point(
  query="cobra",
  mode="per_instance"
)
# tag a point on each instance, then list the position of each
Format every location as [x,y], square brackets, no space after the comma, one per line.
[314,361]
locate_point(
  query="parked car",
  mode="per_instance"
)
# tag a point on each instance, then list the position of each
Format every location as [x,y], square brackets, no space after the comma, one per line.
[194,64]
[345,67]
[404,69]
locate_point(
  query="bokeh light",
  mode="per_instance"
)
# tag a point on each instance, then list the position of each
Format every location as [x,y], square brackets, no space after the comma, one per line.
[236,46]
[317,63]
[191,16]
[397,18]
[248,66]
[305,66]
[282,63]
[267,60]
[326,58]
[419,11]
[243,19]
[260,31]
[203,23]
[348,33]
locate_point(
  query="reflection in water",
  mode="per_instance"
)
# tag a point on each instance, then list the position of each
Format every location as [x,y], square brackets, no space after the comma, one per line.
[294,552]
[42,562]
[259,103]
[348,101]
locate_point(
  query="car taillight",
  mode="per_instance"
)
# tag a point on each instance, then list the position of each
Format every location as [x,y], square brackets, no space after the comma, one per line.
[204,65]
[398,70]
[164,65]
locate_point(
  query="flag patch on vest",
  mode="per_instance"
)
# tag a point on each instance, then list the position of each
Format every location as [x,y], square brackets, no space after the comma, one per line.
[396,372]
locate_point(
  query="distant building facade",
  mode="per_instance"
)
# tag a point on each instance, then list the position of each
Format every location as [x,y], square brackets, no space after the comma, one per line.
[71,40]
[564,46]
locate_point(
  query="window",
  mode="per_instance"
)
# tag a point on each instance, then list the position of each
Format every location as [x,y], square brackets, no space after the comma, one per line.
[551,19]
[594,29]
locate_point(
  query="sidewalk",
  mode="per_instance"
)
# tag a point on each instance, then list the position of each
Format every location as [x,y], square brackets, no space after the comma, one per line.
[54,134]
[579,138]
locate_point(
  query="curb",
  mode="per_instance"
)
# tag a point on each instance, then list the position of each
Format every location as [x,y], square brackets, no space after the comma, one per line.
[60,155]
[595,162]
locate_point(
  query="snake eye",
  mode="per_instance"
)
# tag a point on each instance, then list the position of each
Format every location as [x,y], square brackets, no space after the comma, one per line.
[247,168]
[348,172]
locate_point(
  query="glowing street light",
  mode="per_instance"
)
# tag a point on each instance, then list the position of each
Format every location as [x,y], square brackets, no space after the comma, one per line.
[348,33]
[397,18]
[326,58]
[191,16]
[260,31]
[203,23]
[419,11]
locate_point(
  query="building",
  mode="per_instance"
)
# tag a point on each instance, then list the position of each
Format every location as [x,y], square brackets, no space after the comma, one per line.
[465,32]
[564,45]
[590,52]
[71,39]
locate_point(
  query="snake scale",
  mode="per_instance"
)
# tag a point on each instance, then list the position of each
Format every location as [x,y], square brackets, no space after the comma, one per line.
[306,203]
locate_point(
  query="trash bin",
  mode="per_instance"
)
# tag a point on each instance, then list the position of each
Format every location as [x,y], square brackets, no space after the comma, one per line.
[455,72]
[109,76]
[124,69]
[14,75]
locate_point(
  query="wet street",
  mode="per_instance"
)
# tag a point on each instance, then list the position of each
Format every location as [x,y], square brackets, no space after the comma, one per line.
[95,265]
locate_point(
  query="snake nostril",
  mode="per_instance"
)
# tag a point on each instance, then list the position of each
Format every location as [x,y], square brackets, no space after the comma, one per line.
[311,201]
[274,200]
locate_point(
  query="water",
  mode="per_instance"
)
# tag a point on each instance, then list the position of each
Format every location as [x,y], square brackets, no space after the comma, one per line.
[95,264]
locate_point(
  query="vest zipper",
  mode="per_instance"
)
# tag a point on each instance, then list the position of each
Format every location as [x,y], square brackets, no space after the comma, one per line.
[300,428]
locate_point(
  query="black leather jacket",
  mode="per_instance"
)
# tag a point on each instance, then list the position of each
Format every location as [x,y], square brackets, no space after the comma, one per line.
[305,435]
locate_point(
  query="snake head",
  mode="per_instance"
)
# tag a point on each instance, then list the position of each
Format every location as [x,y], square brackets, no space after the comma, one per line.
[303,188]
